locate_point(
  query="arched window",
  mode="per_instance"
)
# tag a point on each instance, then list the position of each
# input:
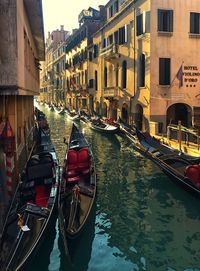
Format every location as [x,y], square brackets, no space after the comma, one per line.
[105,77]
[124,74]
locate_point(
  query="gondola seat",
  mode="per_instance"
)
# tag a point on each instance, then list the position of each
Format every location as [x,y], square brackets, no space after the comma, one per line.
[72,173]
[84,161]
[42,195]
[193,173]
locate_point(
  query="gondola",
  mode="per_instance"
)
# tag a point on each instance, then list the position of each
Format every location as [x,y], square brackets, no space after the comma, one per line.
[78,187]
[84,117]
[184,171]
[32,212]
[72,115]
[103,127]
[59,110]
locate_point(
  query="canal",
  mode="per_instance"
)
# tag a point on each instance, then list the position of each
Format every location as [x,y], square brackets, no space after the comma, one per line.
[141,220]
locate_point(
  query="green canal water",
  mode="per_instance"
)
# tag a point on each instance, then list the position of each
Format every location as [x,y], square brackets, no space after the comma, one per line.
[141,220]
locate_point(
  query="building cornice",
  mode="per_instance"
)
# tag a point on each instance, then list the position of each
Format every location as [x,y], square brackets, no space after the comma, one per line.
[35,17]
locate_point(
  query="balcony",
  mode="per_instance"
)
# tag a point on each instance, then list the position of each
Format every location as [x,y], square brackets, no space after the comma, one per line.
[111,93]
[125,3]
[110,53]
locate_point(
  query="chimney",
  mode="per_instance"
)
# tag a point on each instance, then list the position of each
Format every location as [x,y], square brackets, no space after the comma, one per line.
[102,12]
[62,27]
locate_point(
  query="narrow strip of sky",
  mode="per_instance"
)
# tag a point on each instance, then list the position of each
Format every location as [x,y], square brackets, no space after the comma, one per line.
[63,12]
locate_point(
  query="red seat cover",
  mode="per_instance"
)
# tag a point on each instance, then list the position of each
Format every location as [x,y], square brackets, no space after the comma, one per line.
[42,195]
[84,160]
[193,173]
[72,159]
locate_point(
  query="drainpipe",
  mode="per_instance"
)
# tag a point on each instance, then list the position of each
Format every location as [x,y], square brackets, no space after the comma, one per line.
[134,65]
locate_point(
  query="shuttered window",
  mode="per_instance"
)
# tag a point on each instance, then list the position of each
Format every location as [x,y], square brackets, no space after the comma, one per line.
[96,80]
[165,20]
[142,70]
[124,74]
[105,77]
[123,34]
[95,50]
[194,23]
[164,71]
[110,11]
[116,37]
[139,21]
[116,6]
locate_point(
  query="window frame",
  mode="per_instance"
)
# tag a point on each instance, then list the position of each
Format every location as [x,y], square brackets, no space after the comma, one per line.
[164,70]
[165,21]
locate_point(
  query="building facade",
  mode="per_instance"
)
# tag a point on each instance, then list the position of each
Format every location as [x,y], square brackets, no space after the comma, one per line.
[140,63]
[21,49]
[51,72]
[77,58]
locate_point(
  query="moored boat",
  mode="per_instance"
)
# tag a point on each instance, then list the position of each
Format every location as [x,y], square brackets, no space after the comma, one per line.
[78,187]
[84,117]
[32,212]
[181,168]
[73,115]
[59,110]
[101,126]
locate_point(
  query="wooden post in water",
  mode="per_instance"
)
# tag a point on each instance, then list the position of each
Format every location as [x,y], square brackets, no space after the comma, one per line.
[179,135]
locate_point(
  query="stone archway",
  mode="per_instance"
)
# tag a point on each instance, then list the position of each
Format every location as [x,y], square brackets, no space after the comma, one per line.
[104,110]
[124,112]
[139,117]
[179,112]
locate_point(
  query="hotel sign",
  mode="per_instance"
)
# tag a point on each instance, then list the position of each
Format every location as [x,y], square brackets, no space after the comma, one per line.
[191,75]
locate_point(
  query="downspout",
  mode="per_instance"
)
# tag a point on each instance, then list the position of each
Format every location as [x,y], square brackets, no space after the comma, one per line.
[134,66]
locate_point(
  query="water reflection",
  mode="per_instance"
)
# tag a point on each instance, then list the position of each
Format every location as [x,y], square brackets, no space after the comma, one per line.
[143,220]
[80,249]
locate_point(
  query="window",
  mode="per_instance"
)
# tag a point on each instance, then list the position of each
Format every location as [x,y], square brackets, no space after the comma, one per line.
[84,102]
[116,37]
[142,70]
[194,23]
[91,83]
[96,80]
[139,25]
[96,50]
[124,73]
[86,79]
[110,39]
[164,71]
[165,20]
[90,56]
[105,78]
[104,44]
[116,6]
[110,11]
[123,34]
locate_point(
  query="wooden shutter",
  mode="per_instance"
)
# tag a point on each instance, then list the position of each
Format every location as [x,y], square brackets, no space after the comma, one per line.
[192,22]
[142,70]
[171,23]
[164,71]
